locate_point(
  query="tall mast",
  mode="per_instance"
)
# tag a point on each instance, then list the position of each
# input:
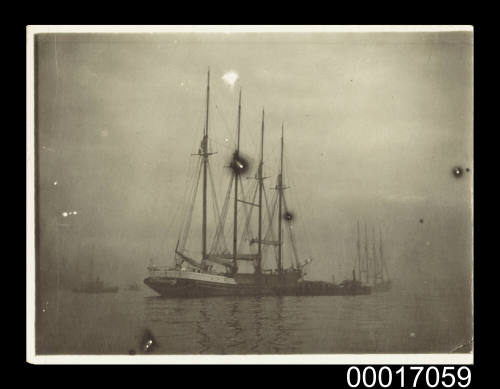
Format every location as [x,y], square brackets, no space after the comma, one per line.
[280,194]
[92,264]
[204,152]
[366,254]
[359,254]
[261,184]
[375,267]
[236,175]
[381,257]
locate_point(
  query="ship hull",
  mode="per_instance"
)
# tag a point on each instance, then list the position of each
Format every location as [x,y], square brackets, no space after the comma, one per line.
[247,285]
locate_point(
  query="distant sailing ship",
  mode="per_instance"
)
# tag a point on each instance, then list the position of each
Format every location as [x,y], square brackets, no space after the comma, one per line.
[374,269]
[218,271]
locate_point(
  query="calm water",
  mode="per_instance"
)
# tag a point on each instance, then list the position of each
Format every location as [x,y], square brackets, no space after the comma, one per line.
[392,322]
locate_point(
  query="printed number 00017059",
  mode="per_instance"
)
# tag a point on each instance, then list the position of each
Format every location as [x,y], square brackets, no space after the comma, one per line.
[369,377]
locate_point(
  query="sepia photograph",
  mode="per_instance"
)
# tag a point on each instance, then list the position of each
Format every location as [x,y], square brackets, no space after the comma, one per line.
[260,194]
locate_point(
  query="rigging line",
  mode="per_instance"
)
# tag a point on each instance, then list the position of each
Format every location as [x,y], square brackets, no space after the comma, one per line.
[275,248]
[224,217]
[218,180]
[266,208]
[232,222]
[247,232]
[270,213]
[190,214]
[216,214]
[267,235]
[193,147]
[189,174]
[188,189]
[270,234]
[298,201]
[215,203]
[220,226]
[214,193]
[292,238]
[189,203]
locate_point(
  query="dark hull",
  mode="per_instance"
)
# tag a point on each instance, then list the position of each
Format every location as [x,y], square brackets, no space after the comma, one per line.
[195,288]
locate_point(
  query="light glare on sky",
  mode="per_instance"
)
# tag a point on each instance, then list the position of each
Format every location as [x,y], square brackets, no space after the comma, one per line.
[230,78]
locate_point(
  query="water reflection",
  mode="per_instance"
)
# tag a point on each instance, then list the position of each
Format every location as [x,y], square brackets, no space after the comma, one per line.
[235,339]
[203,327]
[280,333]
[256,312]
[277,324]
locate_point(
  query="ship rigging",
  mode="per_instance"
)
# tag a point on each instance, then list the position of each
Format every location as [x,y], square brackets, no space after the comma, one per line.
[224,271]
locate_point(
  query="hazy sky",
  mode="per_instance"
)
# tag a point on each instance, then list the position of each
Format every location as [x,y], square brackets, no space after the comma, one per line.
[374,124]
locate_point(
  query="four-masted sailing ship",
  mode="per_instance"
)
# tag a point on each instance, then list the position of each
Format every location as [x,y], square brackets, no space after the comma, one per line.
[373,268]
[218,271]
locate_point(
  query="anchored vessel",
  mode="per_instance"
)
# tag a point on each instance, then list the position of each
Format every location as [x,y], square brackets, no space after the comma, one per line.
[374,269]
[219,270]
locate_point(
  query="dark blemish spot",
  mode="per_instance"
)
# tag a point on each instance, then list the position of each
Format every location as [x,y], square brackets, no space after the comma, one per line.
[467,170]
[131,351]
[238,164]
[288,216]
[421,220]
[457,172]
[148,343]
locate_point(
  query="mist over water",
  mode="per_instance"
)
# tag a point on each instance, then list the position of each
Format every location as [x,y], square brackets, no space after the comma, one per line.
[374,125]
